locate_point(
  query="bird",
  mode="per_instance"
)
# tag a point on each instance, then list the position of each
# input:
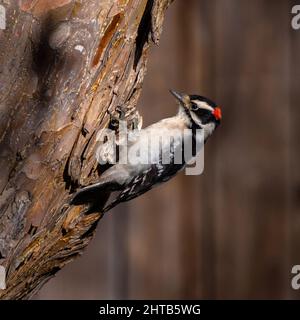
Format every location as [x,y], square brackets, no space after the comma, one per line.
[132,179]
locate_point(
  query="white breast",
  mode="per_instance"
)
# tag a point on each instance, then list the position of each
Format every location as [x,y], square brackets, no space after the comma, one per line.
[160,141]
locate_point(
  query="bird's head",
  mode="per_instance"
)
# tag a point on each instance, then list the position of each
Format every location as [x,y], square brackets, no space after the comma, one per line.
[200,111]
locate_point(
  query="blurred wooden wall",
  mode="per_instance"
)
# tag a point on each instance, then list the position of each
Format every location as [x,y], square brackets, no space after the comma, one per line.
[233,232]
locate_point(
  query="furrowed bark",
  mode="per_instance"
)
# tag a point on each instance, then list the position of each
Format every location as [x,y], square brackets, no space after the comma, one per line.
[63,64]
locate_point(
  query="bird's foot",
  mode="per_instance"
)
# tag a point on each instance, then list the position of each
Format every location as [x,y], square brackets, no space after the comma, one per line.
[129,116]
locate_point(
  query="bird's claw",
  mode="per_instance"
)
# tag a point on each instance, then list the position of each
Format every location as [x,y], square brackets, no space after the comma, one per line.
[130,115]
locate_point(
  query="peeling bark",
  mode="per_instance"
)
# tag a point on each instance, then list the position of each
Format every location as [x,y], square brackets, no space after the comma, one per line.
[64,63]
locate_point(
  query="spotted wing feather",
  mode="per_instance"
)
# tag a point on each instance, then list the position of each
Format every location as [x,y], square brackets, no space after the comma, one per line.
[144,182]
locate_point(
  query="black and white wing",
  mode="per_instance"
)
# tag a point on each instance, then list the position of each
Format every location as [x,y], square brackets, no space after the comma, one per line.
[153,176]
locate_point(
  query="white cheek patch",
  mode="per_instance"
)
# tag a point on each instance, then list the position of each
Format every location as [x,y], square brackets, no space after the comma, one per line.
[196,119]
[203,105]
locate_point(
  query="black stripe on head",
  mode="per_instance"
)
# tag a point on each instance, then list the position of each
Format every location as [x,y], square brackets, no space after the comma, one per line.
[204,99]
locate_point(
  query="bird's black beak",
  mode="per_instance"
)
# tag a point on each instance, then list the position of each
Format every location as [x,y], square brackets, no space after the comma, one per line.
[183,98]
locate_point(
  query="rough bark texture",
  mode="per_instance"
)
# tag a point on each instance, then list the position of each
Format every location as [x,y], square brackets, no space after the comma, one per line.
[63,64]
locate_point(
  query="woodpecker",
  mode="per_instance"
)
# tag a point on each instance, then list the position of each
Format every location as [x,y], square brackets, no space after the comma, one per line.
[134,179]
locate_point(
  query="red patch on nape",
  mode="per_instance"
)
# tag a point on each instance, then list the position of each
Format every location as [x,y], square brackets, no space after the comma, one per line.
[217,113]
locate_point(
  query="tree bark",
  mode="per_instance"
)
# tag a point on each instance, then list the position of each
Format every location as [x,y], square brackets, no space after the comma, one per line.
[63,64]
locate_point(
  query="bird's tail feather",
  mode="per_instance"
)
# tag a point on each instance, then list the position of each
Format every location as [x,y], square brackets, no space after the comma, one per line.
[92,193]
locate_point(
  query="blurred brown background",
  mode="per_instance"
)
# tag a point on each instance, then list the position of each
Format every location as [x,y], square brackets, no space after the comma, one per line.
[233,232]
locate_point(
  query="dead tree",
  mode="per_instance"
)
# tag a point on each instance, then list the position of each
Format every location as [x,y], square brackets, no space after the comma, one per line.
[63,65]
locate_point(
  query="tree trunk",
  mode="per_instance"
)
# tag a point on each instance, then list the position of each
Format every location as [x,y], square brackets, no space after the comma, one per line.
[64,63]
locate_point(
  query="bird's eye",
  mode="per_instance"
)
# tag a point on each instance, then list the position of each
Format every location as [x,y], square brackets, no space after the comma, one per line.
[194,107]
